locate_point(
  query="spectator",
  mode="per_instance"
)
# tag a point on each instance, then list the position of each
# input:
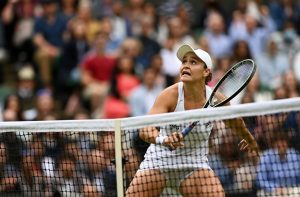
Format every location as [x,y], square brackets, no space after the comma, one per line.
[119,21]
[96,73]
[124,77]
[73,51]
[264,126]
[2,50]
[72,146]
[8,22]
[278,169]
[186,14]
[81,114]
[245,176]
[280,93]
[272,64]
[26,89]
[290,123]
[34,172]
[45,105]
[132,48]
[74,103]
[241,51]
[124,81]
[68,8]
[131,158]
[284,10]
[101,9]
[9,181]
[51,143]
[290,84]
[84,15]
[12,110]
[291,40]
[134,12]
[296,66]
[225,160]
[156,64]
[13,145]
[209,7]
[101,176]
[114,42]
[142,98]
[115,106]
[254,31]
[67,180]
[49,30]
[23,34]
[220,44]
[147,38]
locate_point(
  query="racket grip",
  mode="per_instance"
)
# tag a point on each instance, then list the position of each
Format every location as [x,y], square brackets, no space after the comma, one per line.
[186,130]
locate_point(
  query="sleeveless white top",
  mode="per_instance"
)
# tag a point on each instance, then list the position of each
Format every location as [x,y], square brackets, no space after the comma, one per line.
[195,150]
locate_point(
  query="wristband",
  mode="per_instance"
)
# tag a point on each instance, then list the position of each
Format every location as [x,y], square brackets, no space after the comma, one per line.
[160,139]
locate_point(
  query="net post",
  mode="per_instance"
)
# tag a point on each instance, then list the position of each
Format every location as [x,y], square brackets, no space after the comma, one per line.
[118,158]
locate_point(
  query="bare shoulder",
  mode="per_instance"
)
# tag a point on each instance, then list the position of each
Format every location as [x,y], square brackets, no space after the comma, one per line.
[166,100]
[171,91]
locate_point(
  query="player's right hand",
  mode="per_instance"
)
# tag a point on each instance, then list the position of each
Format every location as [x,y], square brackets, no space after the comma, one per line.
[174,140]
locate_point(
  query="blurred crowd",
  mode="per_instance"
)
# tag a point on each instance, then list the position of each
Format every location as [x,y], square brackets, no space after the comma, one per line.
[274,172]
[61,164]
[91,59]
[111,58]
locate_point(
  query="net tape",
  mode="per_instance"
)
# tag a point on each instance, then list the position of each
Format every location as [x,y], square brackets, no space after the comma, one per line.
[208,114]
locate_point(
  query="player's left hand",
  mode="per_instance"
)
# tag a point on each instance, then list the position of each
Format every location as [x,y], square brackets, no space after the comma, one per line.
[251,146]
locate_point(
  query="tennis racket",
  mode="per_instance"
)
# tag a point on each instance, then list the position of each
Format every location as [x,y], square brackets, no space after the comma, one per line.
[230,85]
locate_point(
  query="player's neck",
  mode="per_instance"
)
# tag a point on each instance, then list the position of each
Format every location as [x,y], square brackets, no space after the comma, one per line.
[194,92]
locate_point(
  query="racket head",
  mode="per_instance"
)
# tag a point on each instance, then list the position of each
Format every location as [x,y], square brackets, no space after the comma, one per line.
[232,83]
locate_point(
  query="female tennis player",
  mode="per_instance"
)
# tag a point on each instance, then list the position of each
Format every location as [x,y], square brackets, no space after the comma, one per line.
[176,161]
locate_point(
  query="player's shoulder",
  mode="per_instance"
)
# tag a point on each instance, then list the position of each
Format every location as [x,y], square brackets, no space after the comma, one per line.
[168,98]
[171,91]
[169,95]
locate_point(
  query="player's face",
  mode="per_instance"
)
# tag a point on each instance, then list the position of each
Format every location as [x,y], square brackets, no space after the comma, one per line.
[193,68]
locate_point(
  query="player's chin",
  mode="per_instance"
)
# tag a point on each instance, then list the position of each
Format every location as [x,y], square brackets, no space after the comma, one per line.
[185,78]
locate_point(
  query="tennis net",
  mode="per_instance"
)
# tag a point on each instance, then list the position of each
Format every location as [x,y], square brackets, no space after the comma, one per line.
[102,157]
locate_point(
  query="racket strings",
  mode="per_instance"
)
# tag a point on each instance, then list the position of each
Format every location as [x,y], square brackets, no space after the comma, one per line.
[233,82]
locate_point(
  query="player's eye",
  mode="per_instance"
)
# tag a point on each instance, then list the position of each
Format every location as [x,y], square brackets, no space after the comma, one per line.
[184,61]
[193,62]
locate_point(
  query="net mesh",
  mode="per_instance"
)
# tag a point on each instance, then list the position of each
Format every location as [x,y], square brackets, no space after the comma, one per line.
[83,158]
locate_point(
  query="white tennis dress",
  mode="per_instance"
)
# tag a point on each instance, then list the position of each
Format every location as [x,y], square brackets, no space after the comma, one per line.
[190,157]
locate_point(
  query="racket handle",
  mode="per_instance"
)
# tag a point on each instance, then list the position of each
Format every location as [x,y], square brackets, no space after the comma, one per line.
[186,130]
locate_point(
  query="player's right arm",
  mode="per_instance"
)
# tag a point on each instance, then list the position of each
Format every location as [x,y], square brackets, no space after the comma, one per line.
[161,105]
[165,102]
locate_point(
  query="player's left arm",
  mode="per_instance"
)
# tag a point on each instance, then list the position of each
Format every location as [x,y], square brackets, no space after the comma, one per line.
[248,142]
[238,126]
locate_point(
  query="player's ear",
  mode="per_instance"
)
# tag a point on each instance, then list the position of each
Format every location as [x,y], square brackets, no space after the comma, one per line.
[207,75]
[207,72]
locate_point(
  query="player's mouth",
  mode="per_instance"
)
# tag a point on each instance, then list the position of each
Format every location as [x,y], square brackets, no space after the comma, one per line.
[185,73]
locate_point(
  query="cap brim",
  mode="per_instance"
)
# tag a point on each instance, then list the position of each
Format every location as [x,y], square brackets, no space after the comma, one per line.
[184,49]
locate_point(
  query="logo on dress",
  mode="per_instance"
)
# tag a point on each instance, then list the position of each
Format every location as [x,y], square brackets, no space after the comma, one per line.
[174,126]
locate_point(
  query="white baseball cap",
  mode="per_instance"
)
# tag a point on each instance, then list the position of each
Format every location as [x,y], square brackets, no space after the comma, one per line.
[203,55]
